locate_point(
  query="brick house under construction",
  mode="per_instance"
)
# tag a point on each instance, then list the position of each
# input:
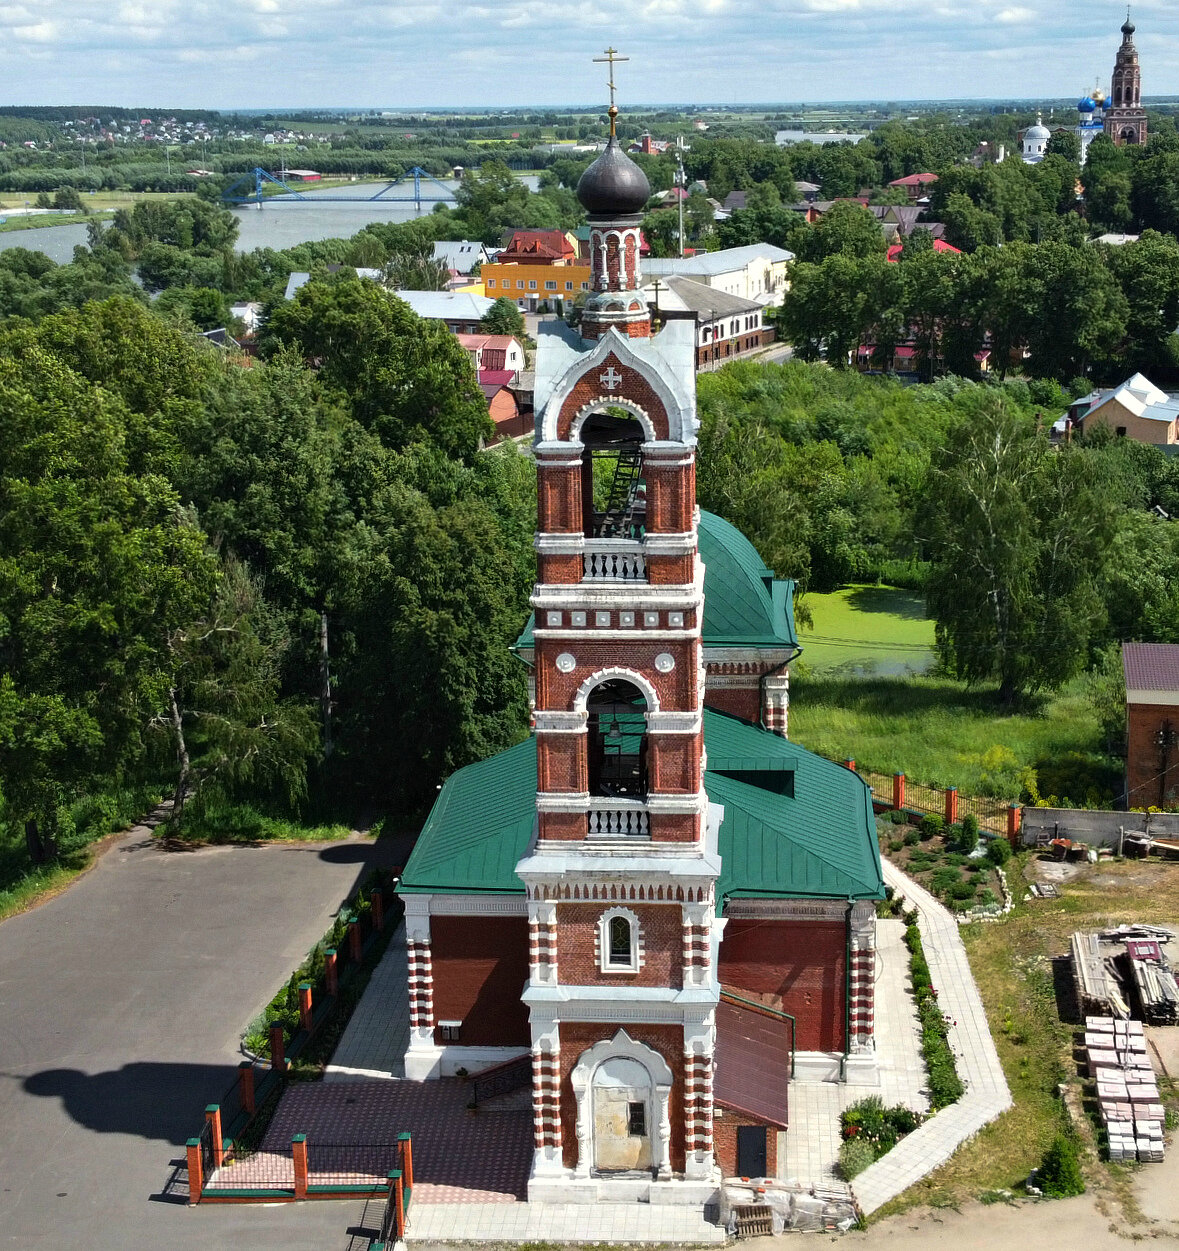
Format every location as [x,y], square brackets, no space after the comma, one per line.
[658,897]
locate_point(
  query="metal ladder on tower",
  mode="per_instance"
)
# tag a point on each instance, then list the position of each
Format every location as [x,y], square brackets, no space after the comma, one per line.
[620,504]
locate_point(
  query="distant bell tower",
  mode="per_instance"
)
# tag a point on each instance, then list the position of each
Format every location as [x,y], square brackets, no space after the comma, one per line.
[1125,119]
[622,868]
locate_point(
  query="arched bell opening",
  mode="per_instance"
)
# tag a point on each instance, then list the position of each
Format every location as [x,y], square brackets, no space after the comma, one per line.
[613,490]
[617,741]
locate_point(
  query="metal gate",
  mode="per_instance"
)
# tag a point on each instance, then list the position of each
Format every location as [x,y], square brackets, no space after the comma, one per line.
[208,1156]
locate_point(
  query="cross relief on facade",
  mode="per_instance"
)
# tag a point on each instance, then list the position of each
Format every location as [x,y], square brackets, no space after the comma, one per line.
[611,379]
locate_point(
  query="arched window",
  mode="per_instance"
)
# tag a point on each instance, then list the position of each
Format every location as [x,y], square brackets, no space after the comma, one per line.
[614,500]
[620,942]
[617,740]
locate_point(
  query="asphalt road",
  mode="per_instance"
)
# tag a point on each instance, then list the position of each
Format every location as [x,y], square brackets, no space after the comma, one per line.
[121,1005]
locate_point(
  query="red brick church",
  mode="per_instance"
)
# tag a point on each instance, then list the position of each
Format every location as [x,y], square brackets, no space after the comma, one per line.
[658,896]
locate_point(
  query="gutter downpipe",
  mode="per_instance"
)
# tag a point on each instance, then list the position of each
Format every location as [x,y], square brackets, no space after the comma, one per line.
[846,991]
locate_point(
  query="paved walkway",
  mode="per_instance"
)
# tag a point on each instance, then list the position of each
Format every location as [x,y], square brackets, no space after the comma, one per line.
[810,1150]
[374,1042]
[545,1223]
[987,1094]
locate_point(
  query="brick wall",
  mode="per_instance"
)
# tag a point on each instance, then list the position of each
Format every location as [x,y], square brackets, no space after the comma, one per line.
[556,690]
[724,1141]
[634,386]
[1144,756]
[668,1040]
[480,966]
[797,966]
[743,703]
[662,934]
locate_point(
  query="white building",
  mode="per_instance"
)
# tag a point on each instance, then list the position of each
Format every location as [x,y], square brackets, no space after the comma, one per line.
[755,272]
[1035,142]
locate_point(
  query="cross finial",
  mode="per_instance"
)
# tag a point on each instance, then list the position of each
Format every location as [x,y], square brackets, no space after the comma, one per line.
[611,57]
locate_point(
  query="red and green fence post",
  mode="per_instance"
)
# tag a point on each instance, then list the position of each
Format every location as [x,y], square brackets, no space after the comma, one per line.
[195,1172]
[245,1083]
[277,1047]
[952,805]
[213,1116]
[299,1160]
[378,900]
[331,972]
[898,790]
[305,1005]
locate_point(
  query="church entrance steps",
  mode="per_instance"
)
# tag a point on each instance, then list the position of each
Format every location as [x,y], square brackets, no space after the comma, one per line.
[617,1223]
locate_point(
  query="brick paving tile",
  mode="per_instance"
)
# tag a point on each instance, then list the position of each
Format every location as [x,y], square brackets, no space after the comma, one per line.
[352,1130]
[563,1222]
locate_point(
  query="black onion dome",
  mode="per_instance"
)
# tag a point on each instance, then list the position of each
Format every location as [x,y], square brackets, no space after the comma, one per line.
[613,186]
[1128,26]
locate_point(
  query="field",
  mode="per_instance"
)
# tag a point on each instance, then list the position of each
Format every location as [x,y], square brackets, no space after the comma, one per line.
[1024,986]
[864,689]
[867,630]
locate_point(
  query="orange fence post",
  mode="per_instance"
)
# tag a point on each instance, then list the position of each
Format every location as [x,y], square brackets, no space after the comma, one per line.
[245,1085]
[213,1115]
[299,1159]
[378,909]
[305,1005]
[331,971]
[406,1142]
[898,790]
[399,1196]
[354,938]
[952,805]
[1014,813]
[277,1047]
[850,764]
[195,1179]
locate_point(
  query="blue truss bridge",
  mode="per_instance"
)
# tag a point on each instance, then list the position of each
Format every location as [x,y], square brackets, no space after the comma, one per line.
[414,187]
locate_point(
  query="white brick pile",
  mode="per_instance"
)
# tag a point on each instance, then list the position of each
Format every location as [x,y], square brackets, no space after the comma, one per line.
[1127,1091]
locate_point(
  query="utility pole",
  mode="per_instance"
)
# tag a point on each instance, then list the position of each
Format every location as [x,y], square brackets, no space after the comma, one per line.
[681,182]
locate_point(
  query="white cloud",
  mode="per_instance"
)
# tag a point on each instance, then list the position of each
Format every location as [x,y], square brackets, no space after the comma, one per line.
[1016,13]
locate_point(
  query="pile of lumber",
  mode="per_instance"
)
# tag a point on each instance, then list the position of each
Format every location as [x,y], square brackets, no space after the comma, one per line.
[1127,1090]
[1095,978]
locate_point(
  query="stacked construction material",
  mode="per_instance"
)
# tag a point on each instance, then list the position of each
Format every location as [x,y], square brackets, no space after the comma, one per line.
[1127,1092]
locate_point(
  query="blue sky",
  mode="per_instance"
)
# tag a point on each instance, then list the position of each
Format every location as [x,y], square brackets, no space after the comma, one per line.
[405,53]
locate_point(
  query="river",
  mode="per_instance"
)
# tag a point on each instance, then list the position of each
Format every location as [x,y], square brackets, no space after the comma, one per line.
[282,223]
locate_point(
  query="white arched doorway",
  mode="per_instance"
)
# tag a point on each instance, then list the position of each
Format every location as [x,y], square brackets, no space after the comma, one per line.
[622,1089]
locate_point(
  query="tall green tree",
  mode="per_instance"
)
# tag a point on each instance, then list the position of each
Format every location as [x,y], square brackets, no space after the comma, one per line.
[1016,537]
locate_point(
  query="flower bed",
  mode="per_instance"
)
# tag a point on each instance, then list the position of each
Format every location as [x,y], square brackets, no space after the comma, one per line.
[940,859]
[945,1086]
[869,1129]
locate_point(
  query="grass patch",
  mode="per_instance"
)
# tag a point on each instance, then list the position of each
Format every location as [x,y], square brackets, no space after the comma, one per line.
[24,884]
[868,630]
[1016,965]
[48,219]
[243,823]
[937,732]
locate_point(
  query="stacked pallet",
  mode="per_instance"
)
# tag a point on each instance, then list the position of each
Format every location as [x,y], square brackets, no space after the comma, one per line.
[1127,1091]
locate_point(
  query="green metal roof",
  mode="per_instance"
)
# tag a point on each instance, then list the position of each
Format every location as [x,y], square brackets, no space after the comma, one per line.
[744,604]
[478,828]
[820,843]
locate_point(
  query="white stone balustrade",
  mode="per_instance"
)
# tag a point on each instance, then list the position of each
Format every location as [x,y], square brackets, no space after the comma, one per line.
[614,560]
[618,819]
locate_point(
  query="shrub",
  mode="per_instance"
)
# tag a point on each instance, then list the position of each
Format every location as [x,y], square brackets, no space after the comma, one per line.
[897,817]
[1059,1174]
[945,879]
[968,839]
[931,825]
[854,1157]
[895,844]
[962,890]
[998,851]
[912,838]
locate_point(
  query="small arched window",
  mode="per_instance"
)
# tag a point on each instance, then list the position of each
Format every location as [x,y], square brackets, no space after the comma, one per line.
[620,942]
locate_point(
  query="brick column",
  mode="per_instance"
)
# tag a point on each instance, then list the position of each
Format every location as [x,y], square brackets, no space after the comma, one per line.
[862,980]
[776,713]
[952,806]
[405,1140]
[898,790]
[421,985]
[697,1106]
[542,943]
[213,1116]
[331,971]
[1014,814]
[305,1006]
[546,1098]
[277,1047]
[245,1084]
[378,902]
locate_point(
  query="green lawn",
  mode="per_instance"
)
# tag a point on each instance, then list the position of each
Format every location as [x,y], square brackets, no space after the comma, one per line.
[867,630]
[938,732]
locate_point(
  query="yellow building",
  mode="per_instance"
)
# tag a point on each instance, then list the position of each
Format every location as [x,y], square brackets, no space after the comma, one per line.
[537,266]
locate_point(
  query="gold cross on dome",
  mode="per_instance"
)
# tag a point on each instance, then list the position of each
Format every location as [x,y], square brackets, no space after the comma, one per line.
[611,57]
